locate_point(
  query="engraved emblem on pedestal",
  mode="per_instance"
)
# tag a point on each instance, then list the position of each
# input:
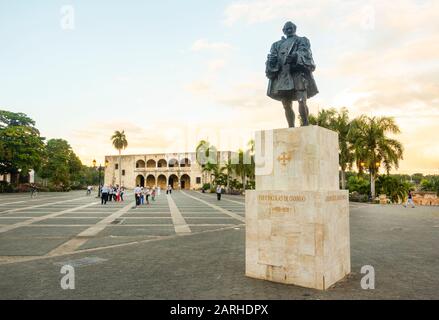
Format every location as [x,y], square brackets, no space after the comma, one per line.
[284,158]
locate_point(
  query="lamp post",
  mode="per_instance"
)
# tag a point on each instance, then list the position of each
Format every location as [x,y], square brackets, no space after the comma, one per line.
[100,168]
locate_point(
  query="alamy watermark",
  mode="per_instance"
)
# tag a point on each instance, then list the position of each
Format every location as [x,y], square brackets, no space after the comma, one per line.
[68,281]
[368,281]
[67,21]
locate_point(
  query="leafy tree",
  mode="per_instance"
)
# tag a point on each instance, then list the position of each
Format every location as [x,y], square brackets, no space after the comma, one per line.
[21,146]
[13,119]
[61,167]
[120,142]
[373,147]
[430,183]
[88,176]
[417,177]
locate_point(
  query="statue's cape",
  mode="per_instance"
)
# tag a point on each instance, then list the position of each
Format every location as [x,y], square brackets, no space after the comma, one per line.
[304,67]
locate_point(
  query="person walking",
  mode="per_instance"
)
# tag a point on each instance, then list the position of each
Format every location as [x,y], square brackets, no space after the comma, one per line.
[137,192]
[142,195]
[118,194]
[147,194]
[153,194]
[218,192]
[110,193]
[169,190]
[33,190]
[104,194]
[122,190]
[409,200]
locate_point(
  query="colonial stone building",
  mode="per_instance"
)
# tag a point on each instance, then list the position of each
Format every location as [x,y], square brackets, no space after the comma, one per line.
[180,170]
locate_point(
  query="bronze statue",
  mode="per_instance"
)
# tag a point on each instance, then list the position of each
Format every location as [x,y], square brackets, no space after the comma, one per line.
[289,67]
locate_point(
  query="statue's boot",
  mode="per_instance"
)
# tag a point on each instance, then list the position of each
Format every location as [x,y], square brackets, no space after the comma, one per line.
[289,113]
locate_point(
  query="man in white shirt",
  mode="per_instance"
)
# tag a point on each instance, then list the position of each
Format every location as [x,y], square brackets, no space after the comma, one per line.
[137,192]
[218,192]
[104,194]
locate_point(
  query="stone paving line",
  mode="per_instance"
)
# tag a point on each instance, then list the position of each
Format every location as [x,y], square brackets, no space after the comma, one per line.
[179,222]
[27,197]
[225,199]
[32,200]
[48,216]
[40,205]
[5,260]
[229,213]
[85,235]
[137,225]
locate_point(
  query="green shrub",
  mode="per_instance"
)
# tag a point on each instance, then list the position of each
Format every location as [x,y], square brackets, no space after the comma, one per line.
[6,187]
[358,184]
[395,189]
[357,197]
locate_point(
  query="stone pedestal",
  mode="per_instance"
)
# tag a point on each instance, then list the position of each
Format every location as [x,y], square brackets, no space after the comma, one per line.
[297,219]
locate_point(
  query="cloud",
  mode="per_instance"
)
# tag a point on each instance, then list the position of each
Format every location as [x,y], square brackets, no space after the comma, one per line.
[215,65]
[203,44]
[198,87]
[265,10]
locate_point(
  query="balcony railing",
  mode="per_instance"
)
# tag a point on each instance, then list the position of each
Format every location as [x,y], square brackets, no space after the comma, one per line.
[163,169]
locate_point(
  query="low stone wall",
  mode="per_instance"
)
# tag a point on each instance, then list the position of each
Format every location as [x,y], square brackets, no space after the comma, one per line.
[425,198]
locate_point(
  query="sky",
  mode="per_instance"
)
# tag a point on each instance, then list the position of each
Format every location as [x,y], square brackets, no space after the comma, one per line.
[170,73]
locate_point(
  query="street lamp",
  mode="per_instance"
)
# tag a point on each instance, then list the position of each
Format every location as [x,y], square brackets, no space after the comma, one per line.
[100,168]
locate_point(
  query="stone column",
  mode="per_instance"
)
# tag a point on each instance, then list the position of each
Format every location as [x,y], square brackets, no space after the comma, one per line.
[297,219]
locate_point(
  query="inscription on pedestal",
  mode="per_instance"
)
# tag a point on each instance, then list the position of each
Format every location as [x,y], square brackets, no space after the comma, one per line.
[284,198]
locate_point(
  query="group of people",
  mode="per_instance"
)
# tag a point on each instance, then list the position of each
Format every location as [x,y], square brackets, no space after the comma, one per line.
[142,194]
[111,193]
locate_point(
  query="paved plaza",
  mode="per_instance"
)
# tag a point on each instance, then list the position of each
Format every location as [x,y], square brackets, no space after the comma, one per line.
[191,246]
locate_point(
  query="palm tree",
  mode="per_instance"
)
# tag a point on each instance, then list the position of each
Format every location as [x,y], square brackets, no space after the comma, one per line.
[209,169]
[206,156]
[340,123]
[228,168]
[242,168]
[251,167]
[368,136]
[120,142]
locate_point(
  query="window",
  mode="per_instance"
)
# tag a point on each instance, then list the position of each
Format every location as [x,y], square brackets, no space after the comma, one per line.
[198,180]
[116,166]
[123,172]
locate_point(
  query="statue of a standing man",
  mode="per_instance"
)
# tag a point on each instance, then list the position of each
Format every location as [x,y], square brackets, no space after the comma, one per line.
[289,67]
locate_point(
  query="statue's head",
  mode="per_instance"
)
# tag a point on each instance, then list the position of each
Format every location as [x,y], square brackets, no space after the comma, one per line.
[289,29]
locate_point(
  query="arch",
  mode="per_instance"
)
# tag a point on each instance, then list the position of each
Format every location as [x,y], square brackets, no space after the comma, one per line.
[140,164]
[151,163]
[162,182]
[162,163]
[140,180]
[150,181]
[172,163]
[185,162]
[185,182]
[173,181]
